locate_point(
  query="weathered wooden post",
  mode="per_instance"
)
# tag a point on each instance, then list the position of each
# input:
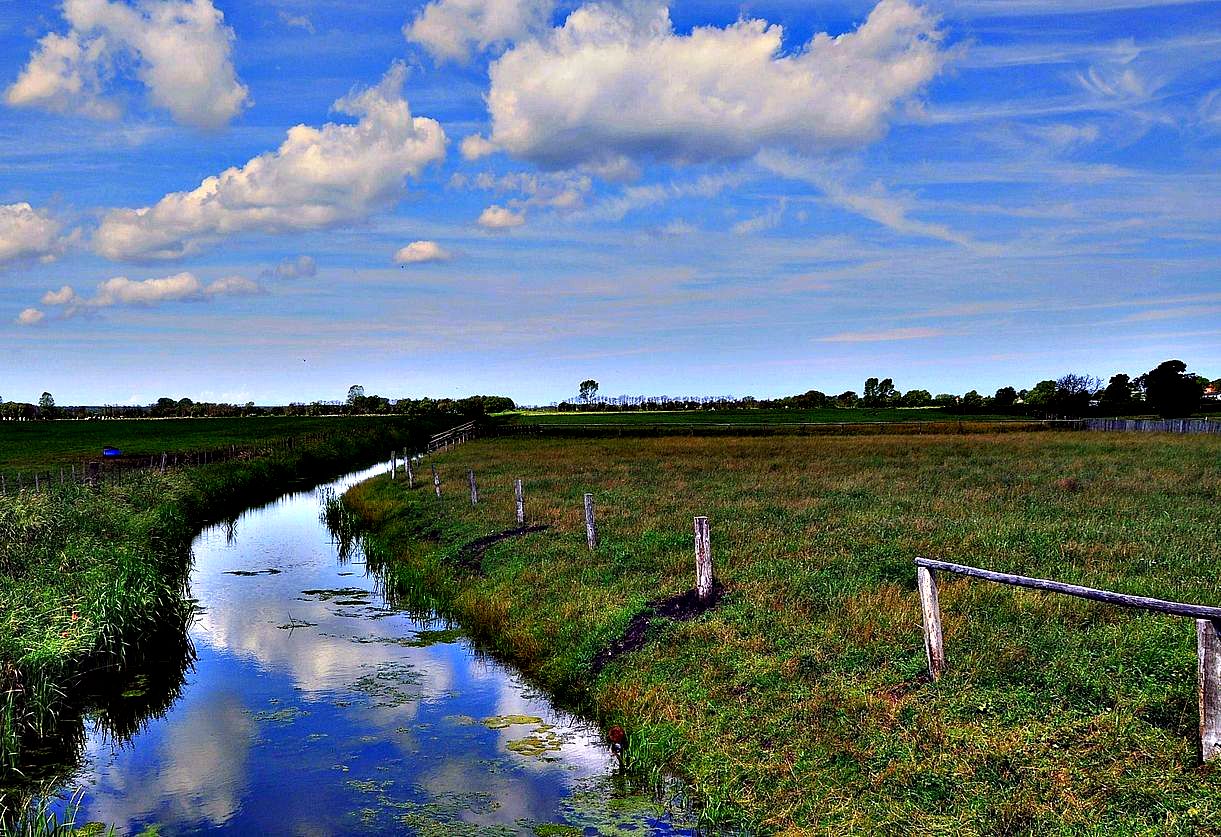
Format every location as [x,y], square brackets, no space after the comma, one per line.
[3,485]
[519,495]
[1208,648]
[703,559]
[436,481]
[164,458]
[470,476]
[591,527]
[93,474]
[20,482]
[930,610]
[37,485]
[410,473]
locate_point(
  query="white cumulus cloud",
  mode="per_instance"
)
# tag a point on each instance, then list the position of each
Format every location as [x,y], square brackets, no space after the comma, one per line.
[318,177]
[27,233]
[122,291]
[452,29]
[616,83]
[30,316]
[419,252]
[180,50]
[500,218]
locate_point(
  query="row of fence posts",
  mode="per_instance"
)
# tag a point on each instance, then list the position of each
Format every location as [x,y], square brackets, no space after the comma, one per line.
[704,578]
[93,473]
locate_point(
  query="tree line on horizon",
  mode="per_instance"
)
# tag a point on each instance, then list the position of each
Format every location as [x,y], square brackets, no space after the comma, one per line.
[1169,390]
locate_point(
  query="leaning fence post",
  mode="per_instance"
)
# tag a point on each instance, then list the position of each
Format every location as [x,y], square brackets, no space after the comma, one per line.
[410,472]
[930,610]
[470,475]
[703,559]
[519,495]
[1208,649]
[436,481]
[591,528]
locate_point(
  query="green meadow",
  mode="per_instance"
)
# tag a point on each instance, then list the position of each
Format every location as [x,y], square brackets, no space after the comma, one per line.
[801,703]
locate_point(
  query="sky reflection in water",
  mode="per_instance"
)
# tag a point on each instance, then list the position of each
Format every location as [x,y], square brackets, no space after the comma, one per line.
[315,709]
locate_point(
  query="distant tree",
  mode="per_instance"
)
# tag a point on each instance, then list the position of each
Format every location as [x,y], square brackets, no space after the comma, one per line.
[946,400]
[811,400]
[184,406]
[1005,398]
[589,389]
[1074,393]
[846,399]
[355,393]
[163,407]
[973,402]
[1118,396]
[916,398]
[870,397]
[1042,395]
[1171,390]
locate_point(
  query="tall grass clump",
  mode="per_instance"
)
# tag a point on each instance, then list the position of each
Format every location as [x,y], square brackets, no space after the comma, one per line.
[802,701]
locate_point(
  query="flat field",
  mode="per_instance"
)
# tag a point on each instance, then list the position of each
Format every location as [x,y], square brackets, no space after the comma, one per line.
[830,415]
[32,445]
[802,701]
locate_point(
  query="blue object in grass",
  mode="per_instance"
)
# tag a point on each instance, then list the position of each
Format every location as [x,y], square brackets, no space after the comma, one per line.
[111,452]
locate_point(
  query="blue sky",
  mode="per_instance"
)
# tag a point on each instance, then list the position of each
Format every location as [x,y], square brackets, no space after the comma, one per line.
[511,197]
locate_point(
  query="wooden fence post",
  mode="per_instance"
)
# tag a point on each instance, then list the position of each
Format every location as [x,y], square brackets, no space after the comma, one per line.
[1208,648]
[930,610]
[591,527]
[470,476]
[436,481]
[519,495]
[703,559]
[410,473]
[394,464]
[93,474]
[37,486]
[164,457]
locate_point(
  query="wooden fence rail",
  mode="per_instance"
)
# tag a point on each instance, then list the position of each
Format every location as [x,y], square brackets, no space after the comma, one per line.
[1208,632]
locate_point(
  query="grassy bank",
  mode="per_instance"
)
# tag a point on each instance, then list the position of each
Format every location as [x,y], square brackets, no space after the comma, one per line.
[802,701]
[92,578]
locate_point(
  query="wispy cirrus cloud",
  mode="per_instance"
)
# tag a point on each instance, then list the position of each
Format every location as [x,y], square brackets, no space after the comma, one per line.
[883,336]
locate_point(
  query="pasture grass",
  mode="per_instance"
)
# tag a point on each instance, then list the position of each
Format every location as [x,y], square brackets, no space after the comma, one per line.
[802,703]
[47,445]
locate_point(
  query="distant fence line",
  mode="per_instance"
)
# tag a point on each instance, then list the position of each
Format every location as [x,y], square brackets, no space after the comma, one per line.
[1154,425]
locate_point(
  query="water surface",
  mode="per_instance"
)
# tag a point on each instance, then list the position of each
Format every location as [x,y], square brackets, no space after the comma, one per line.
[315,707]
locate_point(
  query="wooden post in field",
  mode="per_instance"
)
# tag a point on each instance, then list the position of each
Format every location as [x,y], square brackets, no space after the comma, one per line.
[1208,647]
[93,474]
[591,527]
[519,495]
[20,482]
[930,610]
[436,481]
[703,559]
[394,464]
[164,457]
[410,472]
[37,485]
[470,476]
[3,485]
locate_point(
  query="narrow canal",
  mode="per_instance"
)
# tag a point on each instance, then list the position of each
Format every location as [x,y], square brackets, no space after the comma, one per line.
[314,706]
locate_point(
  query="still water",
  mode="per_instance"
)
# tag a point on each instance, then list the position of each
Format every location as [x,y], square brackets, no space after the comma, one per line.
[315,707]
